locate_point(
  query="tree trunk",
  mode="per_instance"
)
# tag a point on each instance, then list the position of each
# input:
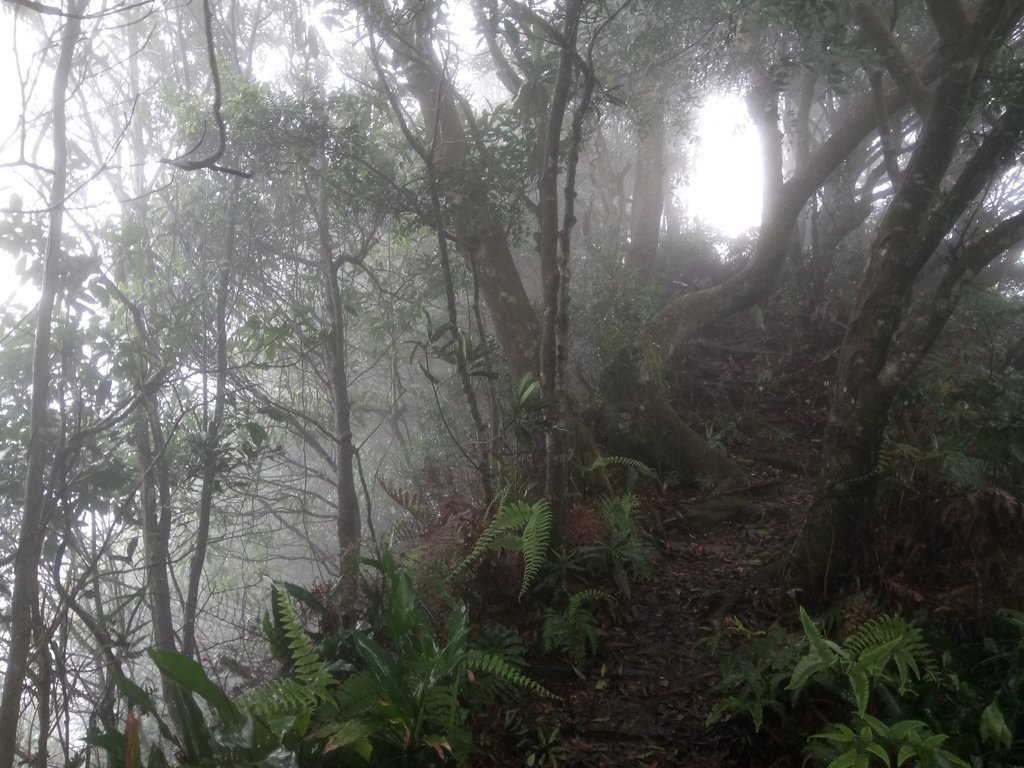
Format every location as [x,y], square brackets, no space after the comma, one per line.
[211,429]
[25,598]
[554,262]
[156,541]
[349,528]
[648,194]
[477,224]
[646,426]
[878,355]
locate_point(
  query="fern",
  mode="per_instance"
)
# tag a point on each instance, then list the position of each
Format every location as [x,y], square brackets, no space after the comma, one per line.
[493,664]
[578,599]
[536,536]
[755,674]
[630,550]
[891,638]
[522,526]
[635,469]
[864,657]
[283,701]
[408,704]
[624,461]
[575,631]
[411,502]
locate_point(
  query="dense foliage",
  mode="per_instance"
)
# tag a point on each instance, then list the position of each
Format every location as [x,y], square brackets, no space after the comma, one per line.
[347,344]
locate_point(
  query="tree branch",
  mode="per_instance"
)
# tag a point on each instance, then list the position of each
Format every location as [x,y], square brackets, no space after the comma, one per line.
[895,61]
[211,162]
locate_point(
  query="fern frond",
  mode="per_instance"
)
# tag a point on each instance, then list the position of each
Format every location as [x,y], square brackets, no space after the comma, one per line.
[440,704]
[412,503]
[577,599]
[511,517]
[279,701]
[310,669]
[312,688]
[892,638]
[492,664]
[358,694]
[624,461]
[574,630]
[623,505]
[536,537]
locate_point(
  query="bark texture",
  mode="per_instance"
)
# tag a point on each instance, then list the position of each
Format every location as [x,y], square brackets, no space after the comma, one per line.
[884,341]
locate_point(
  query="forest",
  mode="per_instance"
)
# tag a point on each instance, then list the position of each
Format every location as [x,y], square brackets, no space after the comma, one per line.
[372,393]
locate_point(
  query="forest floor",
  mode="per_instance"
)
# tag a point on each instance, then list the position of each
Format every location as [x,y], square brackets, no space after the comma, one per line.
[646,701]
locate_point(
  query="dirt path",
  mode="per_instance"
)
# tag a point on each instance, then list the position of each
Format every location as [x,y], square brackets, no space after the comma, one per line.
[646,705]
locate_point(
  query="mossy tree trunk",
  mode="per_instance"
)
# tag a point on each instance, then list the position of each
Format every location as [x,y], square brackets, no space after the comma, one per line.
[887,336]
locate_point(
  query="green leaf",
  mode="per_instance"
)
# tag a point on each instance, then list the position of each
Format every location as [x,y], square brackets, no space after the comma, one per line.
[190,675]
[861,686]
[879,751]
[257,432]
[355,733]
[401,607]
[196,741]
[303,595]
[993,727]
[143,701]
[536,537]
[387,674]
[876,657]
[906,752]
[805,669]
[819,645]
[757,714]
[901,730]
[850,759]
[837,732]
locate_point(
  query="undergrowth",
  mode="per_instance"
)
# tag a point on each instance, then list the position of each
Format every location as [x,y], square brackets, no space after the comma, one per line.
[889,694]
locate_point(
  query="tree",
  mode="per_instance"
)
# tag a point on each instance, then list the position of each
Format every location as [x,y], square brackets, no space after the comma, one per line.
[25,600]
[892,329]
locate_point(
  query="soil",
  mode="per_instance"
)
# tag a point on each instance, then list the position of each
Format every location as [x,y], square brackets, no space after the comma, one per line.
[647,700]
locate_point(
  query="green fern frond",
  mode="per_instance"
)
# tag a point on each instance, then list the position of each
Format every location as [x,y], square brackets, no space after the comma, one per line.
[279,701]
[358,694]
[892,638]
[807,668]
[492,664]
[518,526]
[536,537]
[494,638]
[624,461]
[411,502]
[309,667]
[440,704]
[573,631]
[614,507]
[511,517]
[577,600]
[312,687]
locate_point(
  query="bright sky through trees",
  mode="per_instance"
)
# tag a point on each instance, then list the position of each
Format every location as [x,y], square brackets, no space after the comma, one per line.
[723,189]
